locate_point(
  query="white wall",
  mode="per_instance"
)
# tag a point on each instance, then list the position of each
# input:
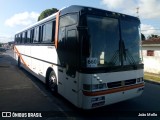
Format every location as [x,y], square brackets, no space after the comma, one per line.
[151,63]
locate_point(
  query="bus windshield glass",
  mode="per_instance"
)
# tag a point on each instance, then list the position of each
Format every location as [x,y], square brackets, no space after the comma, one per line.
[131,37]
[113,43]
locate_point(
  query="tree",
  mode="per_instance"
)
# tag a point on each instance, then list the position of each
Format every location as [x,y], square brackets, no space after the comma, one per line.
[47,13]
[143,37]
[152,36]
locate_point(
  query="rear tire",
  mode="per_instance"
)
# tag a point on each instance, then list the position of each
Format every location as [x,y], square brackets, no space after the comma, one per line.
[52,82]
[19,62]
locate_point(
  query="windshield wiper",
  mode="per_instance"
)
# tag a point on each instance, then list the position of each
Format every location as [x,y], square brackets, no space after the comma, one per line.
[123,54]
[130,57]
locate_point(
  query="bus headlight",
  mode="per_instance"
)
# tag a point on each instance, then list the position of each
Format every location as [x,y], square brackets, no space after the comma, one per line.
[139,80]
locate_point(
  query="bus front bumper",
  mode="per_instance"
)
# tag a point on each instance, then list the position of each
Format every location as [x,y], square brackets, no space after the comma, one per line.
[110,96]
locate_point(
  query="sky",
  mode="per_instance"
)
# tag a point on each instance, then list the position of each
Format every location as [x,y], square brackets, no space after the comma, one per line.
[18,14]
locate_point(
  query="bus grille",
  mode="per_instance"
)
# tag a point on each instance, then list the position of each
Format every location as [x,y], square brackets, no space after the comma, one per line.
[114,84]
[130,82]
[121,83]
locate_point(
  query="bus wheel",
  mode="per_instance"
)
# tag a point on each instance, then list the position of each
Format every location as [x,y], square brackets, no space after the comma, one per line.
[52,82]
[19,62]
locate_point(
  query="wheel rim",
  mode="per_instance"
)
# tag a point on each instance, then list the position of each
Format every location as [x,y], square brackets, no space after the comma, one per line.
[52,82]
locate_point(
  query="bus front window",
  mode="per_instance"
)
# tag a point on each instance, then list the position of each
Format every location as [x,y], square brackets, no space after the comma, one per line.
[131,37]
[110,45]
[104,39]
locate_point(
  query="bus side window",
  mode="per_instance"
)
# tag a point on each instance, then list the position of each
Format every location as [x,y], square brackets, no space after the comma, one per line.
[23,38]
[71,52]
[32,36]
[15,39]
[28,36]
[43,32]
[53,31]
[40,34]
[47,33]
[19,39]
[69,19]
[36,35]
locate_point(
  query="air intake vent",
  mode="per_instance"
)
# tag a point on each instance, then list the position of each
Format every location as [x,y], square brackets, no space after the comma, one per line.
[121,83]
[130,82]
[114,84]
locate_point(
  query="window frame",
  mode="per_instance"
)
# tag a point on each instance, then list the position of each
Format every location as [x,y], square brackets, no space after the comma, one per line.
[150,53]
[37,33]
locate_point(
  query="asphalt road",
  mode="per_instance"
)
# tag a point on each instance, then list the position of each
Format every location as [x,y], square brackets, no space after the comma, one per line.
[20,91]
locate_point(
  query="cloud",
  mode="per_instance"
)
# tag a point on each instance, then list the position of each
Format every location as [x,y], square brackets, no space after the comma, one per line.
[148,9]
[118,4]
[148,30]
[24,19]
[6,38]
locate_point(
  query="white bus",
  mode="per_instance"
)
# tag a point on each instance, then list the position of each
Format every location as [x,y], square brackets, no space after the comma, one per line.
[92,57]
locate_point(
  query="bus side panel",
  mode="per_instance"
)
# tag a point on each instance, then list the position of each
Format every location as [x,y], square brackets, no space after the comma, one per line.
[83,79]
[43,58]
[22,51]
[68,86]
[25,53]
[15,53]
[38,59]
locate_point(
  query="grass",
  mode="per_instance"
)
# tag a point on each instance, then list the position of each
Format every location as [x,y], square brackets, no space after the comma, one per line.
[152,77]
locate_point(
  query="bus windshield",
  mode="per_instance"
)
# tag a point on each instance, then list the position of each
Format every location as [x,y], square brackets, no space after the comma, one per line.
[131,36]
[109,45]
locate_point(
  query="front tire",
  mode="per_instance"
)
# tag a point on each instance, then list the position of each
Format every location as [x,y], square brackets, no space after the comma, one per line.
[52,82]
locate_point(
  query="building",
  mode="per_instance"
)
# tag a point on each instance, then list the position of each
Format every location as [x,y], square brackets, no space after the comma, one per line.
[151,55]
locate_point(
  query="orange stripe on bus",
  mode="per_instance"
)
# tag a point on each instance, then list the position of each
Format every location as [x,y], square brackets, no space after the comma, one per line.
[20,56]
[56,32]
[86,93]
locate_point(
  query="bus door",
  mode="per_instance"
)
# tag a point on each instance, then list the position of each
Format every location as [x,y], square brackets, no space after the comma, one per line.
[68,55]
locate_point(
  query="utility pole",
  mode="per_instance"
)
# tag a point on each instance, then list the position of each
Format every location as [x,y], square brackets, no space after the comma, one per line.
[137,11]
